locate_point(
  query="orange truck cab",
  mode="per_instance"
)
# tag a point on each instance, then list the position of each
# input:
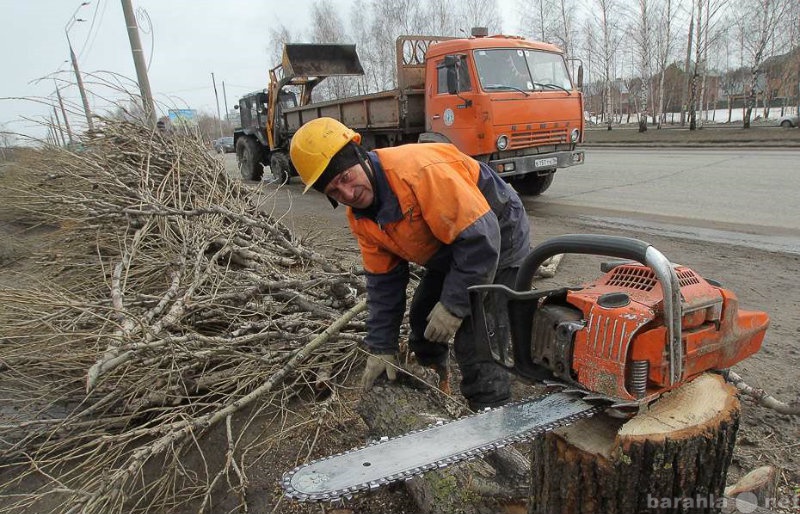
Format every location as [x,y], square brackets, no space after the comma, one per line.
[507,101]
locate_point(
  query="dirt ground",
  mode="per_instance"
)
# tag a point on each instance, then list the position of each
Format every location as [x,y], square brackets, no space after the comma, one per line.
[765,281]
[762,280]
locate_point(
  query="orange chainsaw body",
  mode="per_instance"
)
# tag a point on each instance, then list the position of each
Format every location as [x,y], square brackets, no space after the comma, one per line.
[644,327]
[715,333]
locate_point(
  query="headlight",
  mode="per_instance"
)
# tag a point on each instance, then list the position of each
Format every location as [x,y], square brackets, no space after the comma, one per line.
[575,135]
[502,143]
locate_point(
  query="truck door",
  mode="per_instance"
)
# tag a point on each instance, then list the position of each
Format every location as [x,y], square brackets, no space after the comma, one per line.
[452,115]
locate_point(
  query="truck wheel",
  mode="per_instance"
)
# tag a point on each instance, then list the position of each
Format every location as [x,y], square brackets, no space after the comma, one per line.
[532,184]
[280,167]
[248,156]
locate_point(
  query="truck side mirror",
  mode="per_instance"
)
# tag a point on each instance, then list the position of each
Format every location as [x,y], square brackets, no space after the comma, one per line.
[451,67]
[580,76]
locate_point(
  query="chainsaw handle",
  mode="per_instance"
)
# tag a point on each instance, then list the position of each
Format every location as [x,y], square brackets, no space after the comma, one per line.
[623,248]
[591,244]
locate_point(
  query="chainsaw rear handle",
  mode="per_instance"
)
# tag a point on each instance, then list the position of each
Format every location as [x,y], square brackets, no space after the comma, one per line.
[623,248]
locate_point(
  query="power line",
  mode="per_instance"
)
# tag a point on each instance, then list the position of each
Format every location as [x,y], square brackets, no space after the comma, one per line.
[91,26]
[96,32]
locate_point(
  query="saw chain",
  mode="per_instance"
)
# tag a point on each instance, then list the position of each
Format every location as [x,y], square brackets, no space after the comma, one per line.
[443,444]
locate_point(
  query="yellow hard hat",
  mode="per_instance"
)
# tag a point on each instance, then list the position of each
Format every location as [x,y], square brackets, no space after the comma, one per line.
[315,143]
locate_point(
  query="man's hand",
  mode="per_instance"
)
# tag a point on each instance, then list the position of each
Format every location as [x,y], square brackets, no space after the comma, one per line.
[377,364]
[441,324]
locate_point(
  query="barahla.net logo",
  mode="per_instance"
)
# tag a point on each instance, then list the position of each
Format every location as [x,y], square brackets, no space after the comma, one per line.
[743,502]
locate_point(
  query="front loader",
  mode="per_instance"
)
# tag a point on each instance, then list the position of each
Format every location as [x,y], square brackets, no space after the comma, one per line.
[263,137]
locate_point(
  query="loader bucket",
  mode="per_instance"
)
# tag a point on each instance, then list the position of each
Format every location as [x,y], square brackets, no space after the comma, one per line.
[312,60]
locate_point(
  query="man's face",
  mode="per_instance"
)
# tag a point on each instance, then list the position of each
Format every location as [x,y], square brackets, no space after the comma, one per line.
[351,187]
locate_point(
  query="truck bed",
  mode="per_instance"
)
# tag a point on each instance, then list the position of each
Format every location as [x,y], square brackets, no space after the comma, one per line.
[389,111]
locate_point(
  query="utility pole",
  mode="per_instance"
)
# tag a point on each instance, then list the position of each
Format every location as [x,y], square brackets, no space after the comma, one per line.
[219,117]
[78,78]
[52,137]
[63,112]
[225,97]
[138,61]
[60,129]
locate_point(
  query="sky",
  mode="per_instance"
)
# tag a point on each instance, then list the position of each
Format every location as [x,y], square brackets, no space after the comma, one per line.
[187,41]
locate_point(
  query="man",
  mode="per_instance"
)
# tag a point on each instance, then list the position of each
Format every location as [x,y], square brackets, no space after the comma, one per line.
[435,206]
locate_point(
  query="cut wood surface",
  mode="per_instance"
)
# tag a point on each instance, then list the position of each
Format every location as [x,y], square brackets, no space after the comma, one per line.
[672,457]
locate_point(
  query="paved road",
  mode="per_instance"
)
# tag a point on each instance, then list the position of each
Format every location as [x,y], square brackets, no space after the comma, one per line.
[740,196]
[736,196]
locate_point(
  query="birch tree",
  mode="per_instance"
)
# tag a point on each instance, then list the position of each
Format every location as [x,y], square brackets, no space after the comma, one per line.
[327,27]
[535,19]
[605,14]
[664,46]
[566,27]
[387,21]
[757,29]
[707,16]
[480,13]
[642,34]
[441,17]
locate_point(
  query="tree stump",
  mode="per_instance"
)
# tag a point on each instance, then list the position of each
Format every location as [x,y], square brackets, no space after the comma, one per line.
[497,483]
[672,457]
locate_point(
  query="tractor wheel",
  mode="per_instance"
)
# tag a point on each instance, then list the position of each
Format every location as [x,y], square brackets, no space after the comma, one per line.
[280,167]
[248,156]
[532,184]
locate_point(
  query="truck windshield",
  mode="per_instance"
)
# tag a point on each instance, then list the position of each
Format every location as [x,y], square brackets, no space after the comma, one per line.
[521,70]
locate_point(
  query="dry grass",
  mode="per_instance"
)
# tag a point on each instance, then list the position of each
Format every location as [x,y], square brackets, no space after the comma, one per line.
[710,135]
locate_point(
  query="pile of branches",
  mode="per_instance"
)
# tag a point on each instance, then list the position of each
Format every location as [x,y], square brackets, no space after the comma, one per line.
[167,305]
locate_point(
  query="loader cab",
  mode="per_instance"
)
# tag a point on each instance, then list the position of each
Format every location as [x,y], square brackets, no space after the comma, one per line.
[253,111]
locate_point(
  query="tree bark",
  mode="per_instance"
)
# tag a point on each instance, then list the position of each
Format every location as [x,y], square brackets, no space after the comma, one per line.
[497,483]
[673,457]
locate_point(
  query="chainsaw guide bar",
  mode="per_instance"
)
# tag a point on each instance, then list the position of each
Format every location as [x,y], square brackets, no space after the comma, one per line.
[403,457]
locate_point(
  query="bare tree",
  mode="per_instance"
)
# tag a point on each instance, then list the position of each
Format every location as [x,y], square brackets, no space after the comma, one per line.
[663,48]
[687,65]
[706,25]
[757,29]
[604,16]
[327,27]
[642,34]
[552,21]
[535,19]
[732,83]
[441,17]
[387,21]
[278,36]
[567,28]
[480,13]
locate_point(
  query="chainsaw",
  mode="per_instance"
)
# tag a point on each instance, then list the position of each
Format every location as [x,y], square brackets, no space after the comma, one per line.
[644,328]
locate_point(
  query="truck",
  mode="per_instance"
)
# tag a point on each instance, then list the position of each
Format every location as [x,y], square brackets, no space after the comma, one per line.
[504,100]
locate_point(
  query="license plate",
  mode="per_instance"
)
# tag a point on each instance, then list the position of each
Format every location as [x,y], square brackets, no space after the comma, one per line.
[550,161]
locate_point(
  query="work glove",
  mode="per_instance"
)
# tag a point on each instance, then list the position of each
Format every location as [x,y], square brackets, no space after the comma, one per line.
[377,364]
[441,324]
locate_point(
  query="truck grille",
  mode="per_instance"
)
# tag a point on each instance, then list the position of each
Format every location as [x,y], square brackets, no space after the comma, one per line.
[526,138]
